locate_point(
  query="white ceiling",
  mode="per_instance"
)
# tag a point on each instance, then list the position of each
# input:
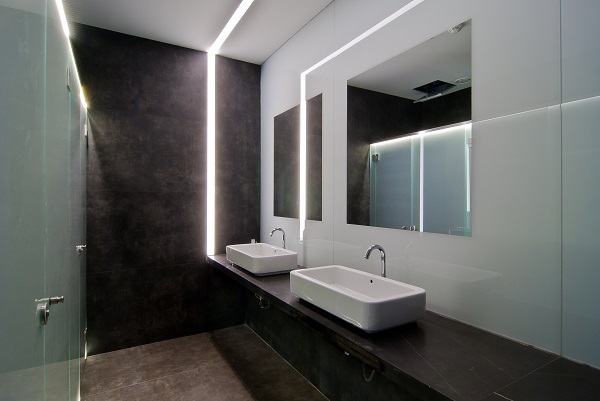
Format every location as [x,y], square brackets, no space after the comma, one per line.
[195,24]
[445,57]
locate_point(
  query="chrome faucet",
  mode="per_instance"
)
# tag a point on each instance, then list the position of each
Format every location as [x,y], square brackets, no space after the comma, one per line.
[382,252]
[283,232]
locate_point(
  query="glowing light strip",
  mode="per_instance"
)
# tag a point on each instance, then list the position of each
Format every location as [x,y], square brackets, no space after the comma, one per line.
[63,17]
[366,34]
[429,132]
[302,155]
[210,154]
[396,140]
[303,75]
[421,178]
[65,28]
[229,27]
[469,171]
[211,122]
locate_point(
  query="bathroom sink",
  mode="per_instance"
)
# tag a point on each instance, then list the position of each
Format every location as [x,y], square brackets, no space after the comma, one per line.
[262,259]
[370,302]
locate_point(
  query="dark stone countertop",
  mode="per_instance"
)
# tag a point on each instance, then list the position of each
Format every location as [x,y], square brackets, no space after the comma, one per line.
[436,357]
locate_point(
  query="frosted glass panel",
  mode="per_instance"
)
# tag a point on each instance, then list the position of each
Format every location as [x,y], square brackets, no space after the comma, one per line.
[394,171]
[421,182]
[446,181]
[22,41]
[42,198]
[581,222]
[580,55]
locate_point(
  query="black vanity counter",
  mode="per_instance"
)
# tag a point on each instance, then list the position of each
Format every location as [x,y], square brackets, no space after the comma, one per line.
[436,357]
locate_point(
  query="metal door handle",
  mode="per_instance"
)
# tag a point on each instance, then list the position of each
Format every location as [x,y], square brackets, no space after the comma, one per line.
[42,309]
[80,248]
[56,300]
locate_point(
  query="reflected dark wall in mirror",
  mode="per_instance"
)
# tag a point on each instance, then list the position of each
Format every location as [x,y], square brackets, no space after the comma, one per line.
[287,161]
[374,117]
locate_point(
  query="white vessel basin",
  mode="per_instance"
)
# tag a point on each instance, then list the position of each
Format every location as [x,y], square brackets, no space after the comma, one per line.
[262,259]
[370,302]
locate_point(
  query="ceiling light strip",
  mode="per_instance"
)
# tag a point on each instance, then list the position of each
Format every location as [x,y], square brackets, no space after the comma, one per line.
[303,75]
[366,34]
[211,123]
[230,26]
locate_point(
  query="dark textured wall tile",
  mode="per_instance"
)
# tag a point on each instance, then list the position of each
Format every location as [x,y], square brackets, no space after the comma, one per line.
[146,212]
[127,73]
[145,153]
[445,110]
[314,158]
[133,307]
[237,152]
[141,229]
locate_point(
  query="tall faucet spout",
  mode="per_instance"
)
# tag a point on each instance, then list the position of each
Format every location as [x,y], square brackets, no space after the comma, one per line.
[382,254]
[282,232]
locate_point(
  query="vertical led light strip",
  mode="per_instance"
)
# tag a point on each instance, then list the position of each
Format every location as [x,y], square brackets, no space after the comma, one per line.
[211,122]
[302,154]
[210,154]
[469,147]
[65,28]
[421,163]
[303,75]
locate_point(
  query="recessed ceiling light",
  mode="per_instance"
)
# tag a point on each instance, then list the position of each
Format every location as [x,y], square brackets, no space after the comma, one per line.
[462,81]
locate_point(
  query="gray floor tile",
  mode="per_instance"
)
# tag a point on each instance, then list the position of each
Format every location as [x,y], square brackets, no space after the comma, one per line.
[147,362]
[213,382]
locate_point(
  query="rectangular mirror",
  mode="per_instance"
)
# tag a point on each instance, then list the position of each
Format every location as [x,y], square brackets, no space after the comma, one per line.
[409,138]
[287,161]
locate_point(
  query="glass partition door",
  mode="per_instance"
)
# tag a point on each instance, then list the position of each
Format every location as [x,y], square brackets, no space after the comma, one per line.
[41,218]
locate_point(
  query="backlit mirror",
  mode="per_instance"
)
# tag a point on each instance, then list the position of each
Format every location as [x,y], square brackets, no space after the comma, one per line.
[409,138]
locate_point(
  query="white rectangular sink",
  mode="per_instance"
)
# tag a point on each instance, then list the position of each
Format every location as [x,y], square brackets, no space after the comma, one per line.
[370,302]
[262,259]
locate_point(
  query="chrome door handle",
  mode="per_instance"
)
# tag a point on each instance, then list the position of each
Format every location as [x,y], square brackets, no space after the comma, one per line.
[56,300]
[42,309]
[80,248]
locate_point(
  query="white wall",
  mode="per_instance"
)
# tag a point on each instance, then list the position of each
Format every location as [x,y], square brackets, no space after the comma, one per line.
[510,277]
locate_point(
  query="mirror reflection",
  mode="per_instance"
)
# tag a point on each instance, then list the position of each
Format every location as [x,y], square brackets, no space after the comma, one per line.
[409,138]
[287,161]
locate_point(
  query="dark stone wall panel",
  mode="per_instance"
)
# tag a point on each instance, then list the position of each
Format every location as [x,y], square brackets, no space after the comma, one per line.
[144,229]
[237,152]
[143,153]
[314,158]
[127,73]
[146,212]
[133,307]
